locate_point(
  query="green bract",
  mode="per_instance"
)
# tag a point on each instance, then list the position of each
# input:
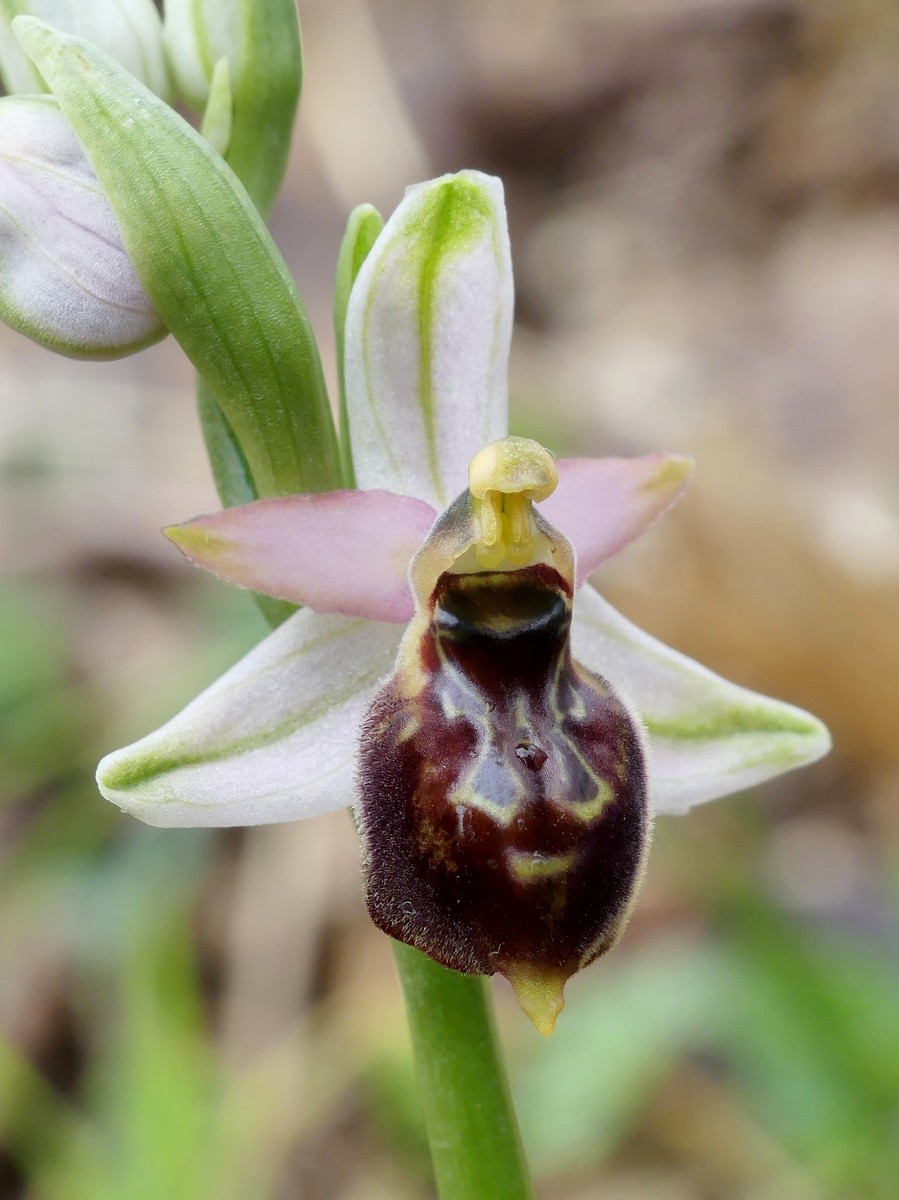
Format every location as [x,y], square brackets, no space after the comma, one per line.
[218,115]
[206,260]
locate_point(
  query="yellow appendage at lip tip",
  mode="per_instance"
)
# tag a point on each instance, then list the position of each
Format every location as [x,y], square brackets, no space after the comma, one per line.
[539,991]
[504,478]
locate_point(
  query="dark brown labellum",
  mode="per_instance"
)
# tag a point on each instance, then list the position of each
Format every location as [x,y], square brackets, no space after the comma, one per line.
[503,790]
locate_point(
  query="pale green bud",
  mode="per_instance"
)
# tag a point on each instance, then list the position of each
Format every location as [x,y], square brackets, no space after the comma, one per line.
[218,118]
[130,31]
[198,33]
[238,62]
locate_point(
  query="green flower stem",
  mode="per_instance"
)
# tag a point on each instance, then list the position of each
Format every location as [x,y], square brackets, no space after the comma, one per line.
[475,1145]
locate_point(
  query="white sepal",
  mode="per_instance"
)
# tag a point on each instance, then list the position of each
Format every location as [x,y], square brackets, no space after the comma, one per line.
[707,737]
[274,739]
[427,339]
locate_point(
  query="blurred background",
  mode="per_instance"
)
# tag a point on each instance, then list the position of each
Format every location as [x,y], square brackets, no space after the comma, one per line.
[704,207]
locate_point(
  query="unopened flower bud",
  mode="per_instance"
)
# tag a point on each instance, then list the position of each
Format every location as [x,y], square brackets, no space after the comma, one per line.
[503,786]
[66,280]
[198,34]
[129,31]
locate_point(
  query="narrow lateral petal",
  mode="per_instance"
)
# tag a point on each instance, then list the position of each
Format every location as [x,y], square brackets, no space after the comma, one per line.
[601,504]
[707,737]
[427,339]
[337,552]
[273,740]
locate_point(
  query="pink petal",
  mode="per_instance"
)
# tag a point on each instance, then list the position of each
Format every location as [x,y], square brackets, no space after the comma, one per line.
[601,504]
[337,552]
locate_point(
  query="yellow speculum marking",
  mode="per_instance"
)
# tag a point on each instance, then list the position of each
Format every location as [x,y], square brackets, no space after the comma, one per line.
[589,810]
[530,867]
[586,810]
[504,479]
[465,792]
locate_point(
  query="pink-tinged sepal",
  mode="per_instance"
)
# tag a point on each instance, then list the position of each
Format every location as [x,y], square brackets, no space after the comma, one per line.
[336,552]
[603,504]
[503,797]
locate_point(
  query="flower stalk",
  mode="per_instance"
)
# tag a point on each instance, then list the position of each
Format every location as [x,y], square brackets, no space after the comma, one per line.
[472,1130]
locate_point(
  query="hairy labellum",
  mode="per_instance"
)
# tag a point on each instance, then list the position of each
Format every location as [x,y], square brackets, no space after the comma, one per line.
[503,786]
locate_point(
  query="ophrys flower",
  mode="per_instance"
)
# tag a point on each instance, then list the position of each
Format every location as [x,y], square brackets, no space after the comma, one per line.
[276,738]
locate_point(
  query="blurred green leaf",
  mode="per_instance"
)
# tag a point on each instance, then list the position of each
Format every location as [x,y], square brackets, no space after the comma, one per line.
[44,723]
[43,1133]
[814,1038]
[31,648]
[396,1107]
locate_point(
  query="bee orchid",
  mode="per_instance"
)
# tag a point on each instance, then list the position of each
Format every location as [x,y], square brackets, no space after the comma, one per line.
[505,736]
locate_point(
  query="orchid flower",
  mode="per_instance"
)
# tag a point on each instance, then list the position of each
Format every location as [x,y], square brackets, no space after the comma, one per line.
[624,729]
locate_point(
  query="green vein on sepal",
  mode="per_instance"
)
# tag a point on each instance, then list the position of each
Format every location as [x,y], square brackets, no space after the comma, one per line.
[733,721]
[451,215]
[139,766]
[205,258]
[449,223]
